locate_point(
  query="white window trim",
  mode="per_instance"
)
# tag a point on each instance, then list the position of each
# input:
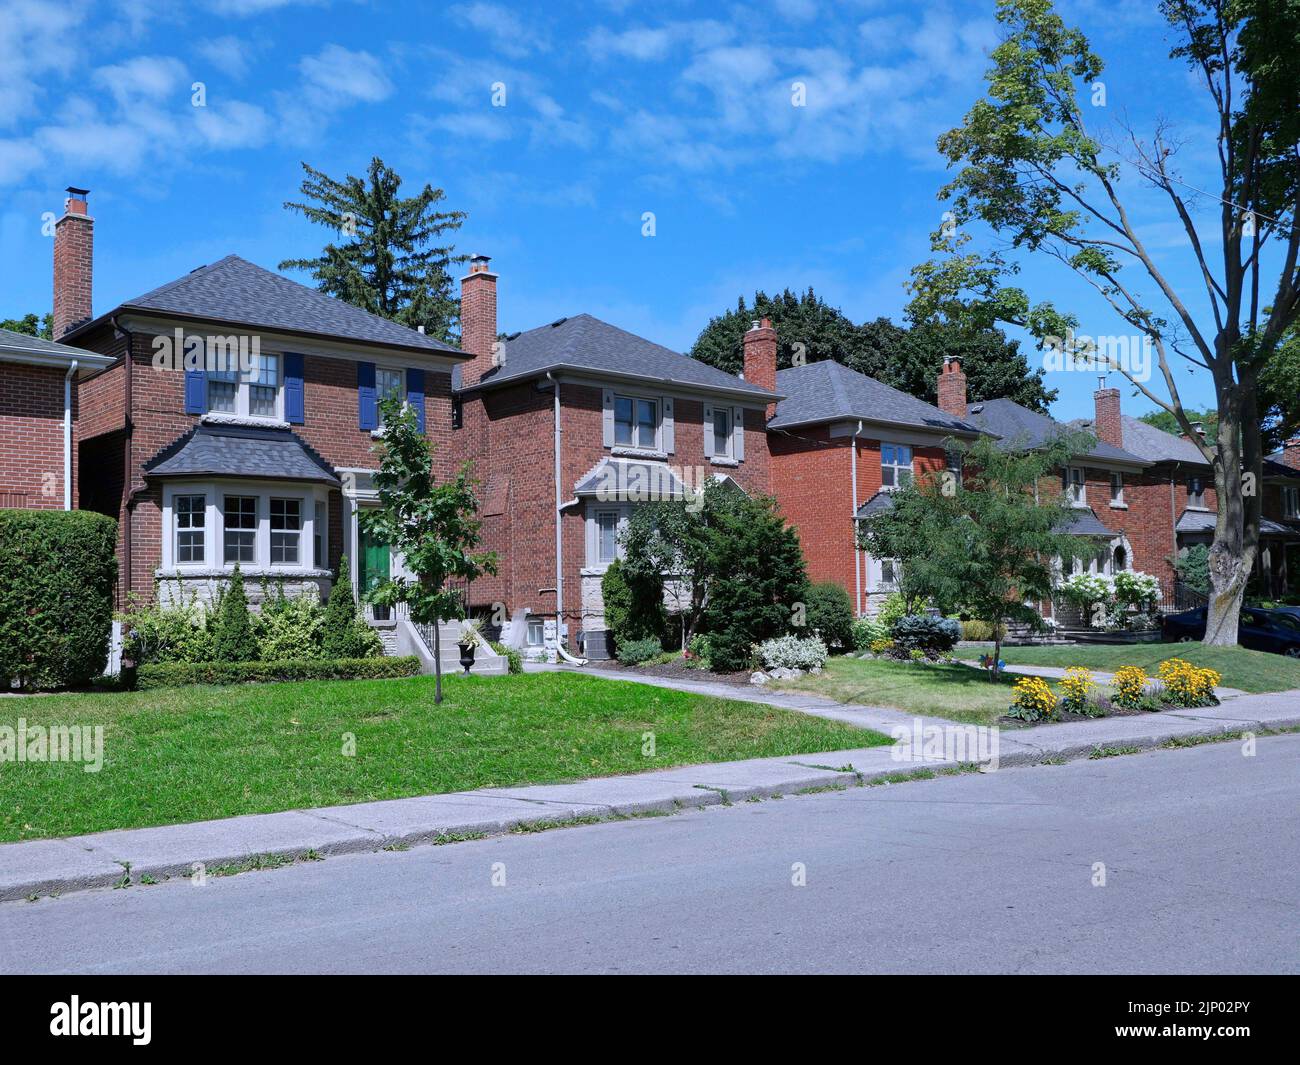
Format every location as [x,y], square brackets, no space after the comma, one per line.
[1117,502]
[875,575]
[910,467]
[1290,501]
[624,511]
[241,415]
[1077,492]
[657,449]
[1191,504]
[214,564]
[379,396]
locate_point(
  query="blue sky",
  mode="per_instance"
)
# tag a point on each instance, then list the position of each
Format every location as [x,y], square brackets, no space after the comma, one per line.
[611,110]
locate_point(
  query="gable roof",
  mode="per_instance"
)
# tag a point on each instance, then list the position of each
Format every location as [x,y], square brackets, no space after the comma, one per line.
[1021,427]
[37,351]
[1152,444]
[827,391]
[236,291]
[585,343]
[217,450]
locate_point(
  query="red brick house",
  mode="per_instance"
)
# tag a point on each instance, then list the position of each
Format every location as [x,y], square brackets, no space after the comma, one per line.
[39,420]
[232,418]
[1279,557]
[568,426]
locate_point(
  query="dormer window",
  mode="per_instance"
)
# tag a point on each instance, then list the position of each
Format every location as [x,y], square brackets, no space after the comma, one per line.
[636,422]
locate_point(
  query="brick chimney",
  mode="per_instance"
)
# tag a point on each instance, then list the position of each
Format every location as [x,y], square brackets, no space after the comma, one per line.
[1106,425]
[74,260]
[478,318]
[952,387]
[760,358]
[1291,453]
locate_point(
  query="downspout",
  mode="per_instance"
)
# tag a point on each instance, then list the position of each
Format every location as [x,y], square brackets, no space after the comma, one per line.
[559,517]
[127,430]
[67,434]
[857,555]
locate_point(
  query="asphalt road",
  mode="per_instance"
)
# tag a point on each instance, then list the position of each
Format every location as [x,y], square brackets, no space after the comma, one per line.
[977,873]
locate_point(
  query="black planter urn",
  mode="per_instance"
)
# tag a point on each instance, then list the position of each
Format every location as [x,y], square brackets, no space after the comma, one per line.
[466,656]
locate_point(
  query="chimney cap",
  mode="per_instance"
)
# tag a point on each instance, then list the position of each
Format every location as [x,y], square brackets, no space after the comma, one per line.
[76,193]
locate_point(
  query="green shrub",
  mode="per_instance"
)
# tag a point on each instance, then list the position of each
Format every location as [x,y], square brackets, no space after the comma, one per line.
[290,627]
[921,632]
[793,652]
[867,631]
[175,674]
[634,605]
[634,652]
[177,633]
[235,640]
[344,633]
[977,630]
[893,608]
[1193,568]
[699,651]
[57,571]
[830,614]
[514,660]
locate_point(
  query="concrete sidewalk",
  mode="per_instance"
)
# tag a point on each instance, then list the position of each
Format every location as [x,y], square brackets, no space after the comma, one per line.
[45,867]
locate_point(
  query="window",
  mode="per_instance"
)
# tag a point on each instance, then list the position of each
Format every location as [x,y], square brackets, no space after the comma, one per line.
[253,394]
[1290,501]
[321,519]
[536,632]
[636,422]
[1116,489]
[889,571]
[721,432]
[607,548]
[1196,493]
[953,460]
[895,465]
[286,531]
[457,412]
[1076,486]
[1121,559]
[387,383]
[241,529]
[191,521]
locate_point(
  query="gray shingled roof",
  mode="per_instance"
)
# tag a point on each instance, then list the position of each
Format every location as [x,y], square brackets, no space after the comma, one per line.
[1021,427]
[241,451]
[827,391]
[1084,522]
[878,503]
[586,343]
[633,479]
[236,291]
[1150,443]
[23,346]
[1202,521]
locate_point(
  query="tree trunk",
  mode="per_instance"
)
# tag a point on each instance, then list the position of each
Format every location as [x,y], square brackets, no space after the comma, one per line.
[1236,529]
[994,672]
[437,662]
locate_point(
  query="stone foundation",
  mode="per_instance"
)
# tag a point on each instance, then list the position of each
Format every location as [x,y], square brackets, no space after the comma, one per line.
[202,587]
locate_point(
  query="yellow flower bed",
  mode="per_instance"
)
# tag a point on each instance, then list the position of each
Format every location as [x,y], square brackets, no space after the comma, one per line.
[1189,685]
[1034,700]
[1130,686]
[1078,685]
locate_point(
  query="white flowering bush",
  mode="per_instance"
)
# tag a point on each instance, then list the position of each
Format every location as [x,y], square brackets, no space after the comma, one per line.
[1136,589]
[1088,588]
[1125,601]
[793,652]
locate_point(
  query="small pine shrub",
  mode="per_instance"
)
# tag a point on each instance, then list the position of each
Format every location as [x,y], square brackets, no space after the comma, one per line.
[235,639]
[829,614]
[344,633]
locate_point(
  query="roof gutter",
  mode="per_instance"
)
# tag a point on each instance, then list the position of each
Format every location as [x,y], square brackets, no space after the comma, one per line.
[128,429]
[759,397]
[559,521]
[857,554]
[67,434]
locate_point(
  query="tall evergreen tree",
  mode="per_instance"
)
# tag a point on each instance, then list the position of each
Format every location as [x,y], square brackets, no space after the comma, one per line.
[392,258]
[908,359]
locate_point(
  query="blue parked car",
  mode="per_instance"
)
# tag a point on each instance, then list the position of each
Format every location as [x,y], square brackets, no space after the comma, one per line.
[1275,631]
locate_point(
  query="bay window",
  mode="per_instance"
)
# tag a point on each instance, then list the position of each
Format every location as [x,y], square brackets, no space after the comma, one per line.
[286,531]
[191,524]
[263,528]
[240,524]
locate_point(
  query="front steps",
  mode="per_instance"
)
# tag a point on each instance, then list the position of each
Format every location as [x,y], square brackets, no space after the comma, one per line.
[487,663]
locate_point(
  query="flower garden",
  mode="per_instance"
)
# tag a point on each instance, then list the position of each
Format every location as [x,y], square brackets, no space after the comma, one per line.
[1177,684]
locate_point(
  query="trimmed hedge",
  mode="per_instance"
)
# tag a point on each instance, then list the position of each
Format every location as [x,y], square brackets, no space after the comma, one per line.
[57,571]
[176,674]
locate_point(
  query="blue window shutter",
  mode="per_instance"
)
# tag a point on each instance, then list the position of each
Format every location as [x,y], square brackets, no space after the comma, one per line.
[293,388]
[367,410]
[194,391]
[415,394]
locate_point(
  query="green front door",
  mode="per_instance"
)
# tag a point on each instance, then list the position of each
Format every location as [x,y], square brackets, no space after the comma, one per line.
[375,559]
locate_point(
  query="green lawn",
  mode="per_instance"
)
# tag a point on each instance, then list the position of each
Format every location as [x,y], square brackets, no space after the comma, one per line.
[189,754]
[1252,671]
[955,692]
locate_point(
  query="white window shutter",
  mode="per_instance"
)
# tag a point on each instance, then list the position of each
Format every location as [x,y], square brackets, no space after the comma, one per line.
[738,433]
[607,412]
[708,431]
[668,424]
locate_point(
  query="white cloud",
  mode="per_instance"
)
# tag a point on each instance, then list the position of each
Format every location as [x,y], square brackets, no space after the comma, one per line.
[144,80]
[508,32]
[37,38]
[233,124]
[650,43]
[240,8]
[229,55]
[336,75]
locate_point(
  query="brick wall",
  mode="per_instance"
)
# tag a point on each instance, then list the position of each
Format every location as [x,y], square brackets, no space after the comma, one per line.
[31,436]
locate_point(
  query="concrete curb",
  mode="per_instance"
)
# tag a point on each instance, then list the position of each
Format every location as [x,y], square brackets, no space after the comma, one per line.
[127,856]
